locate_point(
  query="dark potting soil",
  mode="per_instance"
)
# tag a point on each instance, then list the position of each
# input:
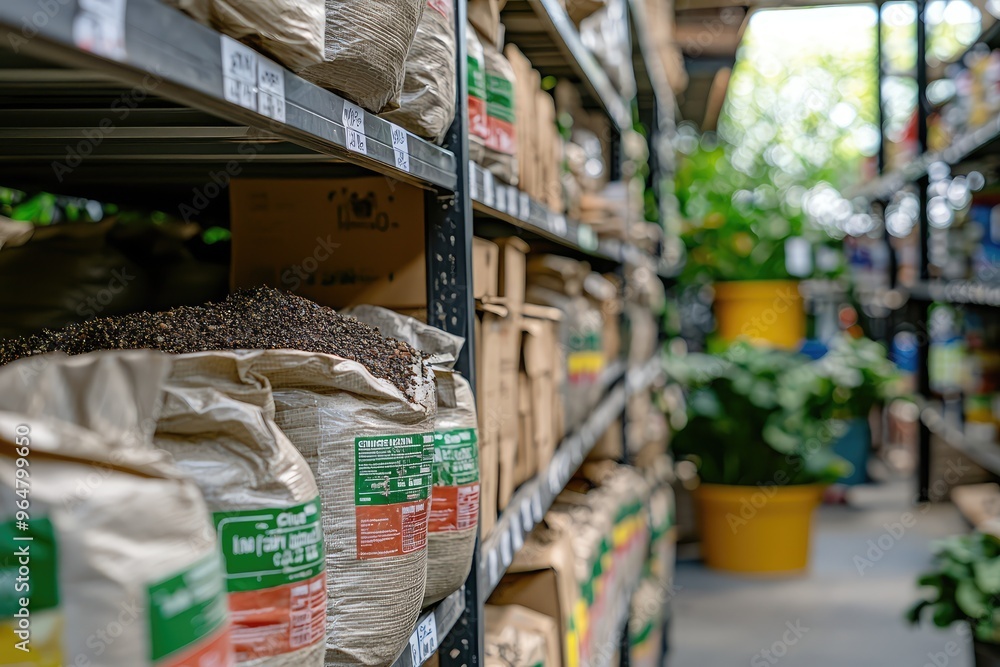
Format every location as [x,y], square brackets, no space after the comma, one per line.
[256,319]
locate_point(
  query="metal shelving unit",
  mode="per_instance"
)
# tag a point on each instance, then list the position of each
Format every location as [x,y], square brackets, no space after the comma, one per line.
[157,103]
[985,453]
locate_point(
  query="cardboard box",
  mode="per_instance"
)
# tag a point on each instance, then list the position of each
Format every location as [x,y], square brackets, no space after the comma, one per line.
[485,268]
[489,334]
[611,444]
[542,579]
[540,357]
[508,624]
[508,350]
[527,461]
[513,271]
[339,242]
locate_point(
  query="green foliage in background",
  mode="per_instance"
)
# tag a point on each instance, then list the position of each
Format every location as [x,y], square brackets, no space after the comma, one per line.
[964,586]
[762,416]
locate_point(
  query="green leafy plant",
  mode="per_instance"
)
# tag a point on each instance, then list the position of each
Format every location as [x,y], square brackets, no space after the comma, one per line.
[964,587]
[757,416]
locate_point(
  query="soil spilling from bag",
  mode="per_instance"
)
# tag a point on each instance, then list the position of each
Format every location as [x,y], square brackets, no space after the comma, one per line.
[255,319]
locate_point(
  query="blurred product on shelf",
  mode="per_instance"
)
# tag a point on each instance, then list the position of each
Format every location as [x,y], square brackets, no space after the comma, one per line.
[427,106]
[605,33]
[766,312]
[541,407]
[454,513]
[375,254]
[581,566]
[511,283]
[493,330]
[519,637]
[500,156]
[559,282]
[660,23]
[578,10]
[290,31]
[479,129]
[968,97]
[217,422]
[136,527]
[985,233]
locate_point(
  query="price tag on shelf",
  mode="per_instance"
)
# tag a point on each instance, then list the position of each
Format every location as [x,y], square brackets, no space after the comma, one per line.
[557,224]
[506,556]
[353,118]
[99,27]
[512,194]
[585,237]
[239,73]
[527,522]
[400,147]
[500,197]
[424,640]
[523,206]
[517,532]
[473,181]
[270,89]
[555,485]
[488,193]
[536,506]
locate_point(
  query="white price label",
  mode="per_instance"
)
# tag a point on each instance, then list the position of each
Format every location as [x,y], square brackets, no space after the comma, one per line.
[558,224]
[512,201]
[270,89]
[526,521]
[536,506]
[501,198]
[473,180]
[488,188]
[424,640]
[99,27]
[585,237]
[505,553]
[523,206]
[517,532]
[400,147]
[353,117]
[555,485]
[357,142]
[239,73]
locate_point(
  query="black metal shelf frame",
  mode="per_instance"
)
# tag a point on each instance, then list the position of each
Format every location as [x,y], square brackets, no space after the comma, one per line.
[213,94]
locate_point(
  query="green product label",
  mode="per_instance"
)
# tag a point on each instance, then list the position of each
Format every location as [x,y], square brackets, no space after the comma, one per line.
[269,547]
[186,607]
[28,566]
[456,457]
[392,469]
[499,97]
[477,78]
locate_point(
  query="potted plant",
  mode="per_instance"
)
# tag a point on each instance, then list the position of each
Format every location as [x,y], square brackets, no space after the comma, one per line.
[759,431]
[965,588]
[738,231]
[863,376]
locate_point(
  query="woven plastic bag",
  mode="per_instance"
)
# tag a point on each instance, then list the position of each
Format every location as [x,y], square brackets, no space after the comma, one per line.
[370,448]
[451,532]
[366,42]
[123,566]
[478,126]
[427,106]
[218,423]
[500,155]
[291,31]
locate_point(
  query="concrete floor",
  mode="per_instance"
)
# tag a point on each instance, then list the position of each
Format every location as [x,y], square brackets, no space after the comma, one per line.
[844,619]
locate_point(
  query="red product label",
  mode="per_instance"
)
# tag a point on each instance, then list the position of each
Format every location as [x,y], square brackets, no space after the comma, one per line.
[213,651]
[478,124]
[391,530]
[442,7]
[501,135]
[277,620]
[454,508]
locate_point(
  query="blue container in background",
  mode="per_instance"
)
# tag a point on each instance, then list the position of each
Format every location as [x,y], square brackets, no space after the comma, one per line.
[854,447]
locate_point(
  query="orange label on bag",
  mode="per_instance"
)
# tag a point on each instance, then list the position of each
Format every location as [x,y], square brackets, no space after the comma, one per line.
[277,620]
[478,125]
[454,508]
[501,135]
[391,530]
[214,650]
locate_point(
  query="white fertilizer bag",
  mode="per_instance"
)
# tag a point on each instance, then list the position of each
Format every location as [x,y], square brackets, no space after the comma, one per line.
[290,31]
[428,102]
[370,446]
[451,533]
[122,568]
[218,423]
[365,50]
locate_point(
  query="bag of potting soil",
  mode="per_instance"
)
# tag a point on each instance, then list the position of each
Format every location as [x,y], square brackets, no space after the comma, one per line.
[476,62]
[218,423]
[451,532]
[500,155]
[370,444]
[427,106]
[124,571]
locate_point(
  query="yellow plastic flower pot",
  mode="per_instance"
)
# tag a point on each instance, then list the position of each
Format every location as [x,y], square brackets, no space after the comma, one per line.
[756,529]
[766,312]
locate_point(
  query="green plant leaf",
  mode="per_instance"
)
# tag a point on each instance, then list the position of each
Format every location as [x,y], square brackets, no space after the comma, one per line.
[987,575]
[913,613]
[946,613]
[970,599]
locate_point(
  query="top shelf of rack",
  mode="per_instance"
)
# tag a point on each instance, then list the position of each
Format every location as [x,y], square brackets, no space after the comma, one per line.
[545,33]
[158,51]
